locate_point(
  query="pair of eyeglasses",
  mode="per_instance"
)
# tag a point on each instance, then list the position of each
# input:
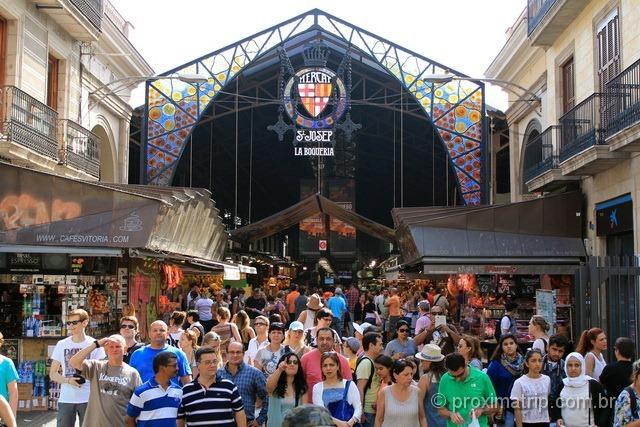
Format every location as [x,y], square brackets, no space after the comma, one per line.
[127,326]
[404,331]
[292,362]
[260,324]
[73,322]
[209,362]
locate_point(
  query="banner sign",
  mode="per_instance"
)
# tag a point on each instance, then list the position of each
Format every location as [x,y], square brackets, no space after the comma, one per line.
[342,236]
[546,307]
[42,209]
[311,229]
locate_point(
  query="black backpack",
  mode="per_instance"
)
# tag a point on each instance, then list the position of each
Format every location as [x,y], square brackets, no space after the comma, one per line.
[498,329]
[368,386]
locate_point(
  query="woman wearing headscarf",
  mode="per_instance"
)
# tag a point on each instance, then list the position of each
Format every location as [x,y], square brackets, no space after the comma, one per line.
[582,400]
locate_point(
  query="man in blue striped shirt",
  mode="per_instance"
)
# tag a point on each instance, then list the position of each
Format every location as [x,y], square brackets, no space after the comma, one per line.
[156,402]
[210,400]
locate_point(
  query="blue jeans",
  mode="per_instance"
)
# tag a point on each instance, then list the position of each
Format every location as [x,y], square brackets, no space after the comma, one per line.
[509,419]
[66,416]
[371,419]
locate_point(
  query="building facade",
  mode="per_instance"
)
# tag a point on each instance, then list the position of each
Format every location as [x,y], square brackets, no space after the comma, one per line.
[583,60]
[65,71]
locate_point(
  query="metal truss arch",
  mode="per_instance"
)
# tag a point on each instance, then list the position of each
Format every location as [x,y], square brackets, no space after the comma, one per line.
[456,109]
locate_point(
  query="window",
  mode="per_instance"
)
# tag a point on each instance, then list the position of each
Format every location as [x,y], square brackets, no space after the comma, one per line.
[568,86]
[52,83]
[608,37]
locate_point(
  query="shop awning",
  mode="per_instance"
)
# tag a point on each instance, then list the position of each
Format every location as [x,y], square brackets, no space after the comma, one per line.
[304,209]
[503,238]
[41,209]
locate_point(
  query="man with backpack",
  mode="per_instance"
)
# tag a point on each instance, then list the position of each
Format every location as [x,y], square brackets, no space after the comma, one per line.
[365,373]
[507,323]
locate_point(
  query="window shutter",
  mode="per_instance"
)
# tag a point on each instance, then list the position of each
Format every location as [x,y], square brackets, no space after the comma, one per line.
[608,51]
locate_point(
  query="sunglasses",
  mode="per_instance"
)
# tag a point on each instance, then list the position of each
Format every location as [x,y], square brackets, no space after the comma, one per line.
[73,322]
[260,324]
[127,326]
[292,362]
[404,331]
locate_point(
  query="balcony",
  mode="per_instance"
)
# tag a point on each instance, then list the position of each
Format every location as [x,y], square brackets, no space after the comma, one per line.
[542,171]
[27,124]
[79,148]
[80,18]
[583,149]
[621,112]
[547,19]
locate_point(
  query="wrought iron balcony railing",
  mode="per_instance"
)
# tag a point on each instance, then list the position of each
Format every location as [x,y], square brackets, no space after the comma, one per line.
[621,103]
[28,122]
[581,127]
[91,9]
[541,155]
[80,148]
[536,10]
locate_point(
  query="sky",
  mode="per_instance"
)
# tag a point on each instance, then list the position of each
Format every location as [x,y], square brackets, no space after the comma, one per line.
[463,34]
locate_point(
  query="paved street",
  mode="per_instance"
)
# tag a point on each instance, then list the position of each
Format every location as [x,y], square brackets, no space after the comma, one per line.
[37,419]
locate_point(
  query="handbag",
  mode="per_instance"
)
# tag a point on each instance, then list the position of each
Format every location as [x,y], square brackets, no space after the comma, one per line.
[342,410]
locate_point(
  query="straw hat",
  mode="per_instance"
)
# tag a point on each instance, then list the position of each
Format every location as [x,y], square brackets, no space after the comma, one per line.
[314,302]
[430,353]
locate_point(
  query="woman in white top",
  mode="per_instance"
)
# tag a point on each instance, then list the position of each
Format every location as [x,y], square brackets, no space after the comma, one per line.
[539,330]
[530,393]
[577,407]
[333,389]
[399,405]
[593,342]
[308,316]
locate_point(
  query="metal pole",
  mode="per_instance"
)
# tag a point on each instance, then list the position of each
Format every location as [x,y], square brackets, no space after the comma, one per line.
[401,147]
[251,160]
[235,203]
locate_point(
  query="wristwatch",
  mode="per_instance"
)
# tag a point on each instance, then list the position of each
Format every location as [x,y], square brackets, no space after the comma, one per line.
[97,343]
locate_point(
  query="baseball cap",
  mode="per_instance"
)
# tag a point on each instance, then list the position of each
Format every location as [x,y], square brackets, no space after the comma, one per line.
[296,326]
[352,343]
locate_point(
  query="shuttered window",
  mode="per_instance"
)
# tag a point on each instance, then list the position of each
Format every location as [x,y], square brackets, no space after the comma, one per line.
[568,86]
[3,49]
[608,37]
[52,83]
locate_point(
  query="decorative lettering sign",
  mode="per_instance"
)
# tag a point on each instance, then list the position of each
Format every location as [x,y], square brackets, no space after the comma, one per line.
[315,99]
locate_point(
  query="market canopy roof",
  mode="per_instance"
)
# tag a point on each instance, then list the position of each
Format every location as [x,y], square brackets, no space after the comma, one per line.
[539,231]
[304,209]
[41,209]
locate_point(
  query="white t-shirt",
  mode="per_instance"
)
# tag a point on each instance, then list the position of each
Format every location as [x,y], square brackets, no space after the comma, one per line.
[253,348]
[62,353]
[533,395]
[203,305]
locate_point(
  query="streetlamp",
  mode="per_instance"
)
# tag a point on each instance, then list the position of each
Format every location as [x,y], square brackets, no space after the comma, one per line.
[533,100]
[125,82]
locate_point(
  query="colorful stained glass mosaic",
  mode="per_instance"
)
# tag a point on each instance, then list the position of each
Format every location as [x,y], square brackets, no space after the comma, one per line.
[455,108]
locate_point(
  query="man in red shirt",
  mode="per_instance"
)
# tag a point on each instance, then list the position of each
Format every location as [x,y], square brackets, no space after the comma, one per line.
[311,360]
[291,302]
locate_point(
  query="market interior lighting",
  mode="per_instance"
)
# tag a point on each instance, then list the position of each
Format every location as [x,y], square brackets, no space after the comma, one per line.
[372,264]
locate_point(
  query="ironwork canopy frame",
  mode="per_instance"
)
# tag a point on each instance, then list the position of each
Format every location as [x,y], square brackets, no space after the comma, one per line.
[456,109]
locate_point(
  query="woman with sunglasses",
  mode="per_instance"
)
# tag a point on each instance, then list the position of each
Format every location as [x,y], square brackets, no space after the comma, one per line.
[324,317]
[333,391]
[287,389]
[129,330]
[402,346]
[399,404]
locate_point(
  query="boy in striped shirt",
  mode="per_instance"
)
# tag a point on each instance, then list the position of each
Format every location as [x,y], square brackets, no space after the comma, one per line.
[156,402]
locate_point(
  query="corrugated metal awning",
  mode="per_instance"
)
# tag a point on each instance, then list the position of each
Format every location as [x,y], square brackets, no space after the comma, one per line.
[546,229]
[41,209]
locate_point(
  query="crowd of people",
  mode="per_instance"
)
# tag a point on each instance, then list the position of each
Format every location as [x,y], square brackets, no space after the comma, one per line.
[369,359]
